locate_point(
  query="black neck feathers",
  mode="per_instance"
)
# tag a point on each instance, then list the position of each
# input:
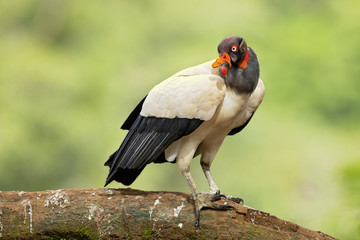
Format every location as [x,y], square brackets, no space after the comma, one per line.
[244,80]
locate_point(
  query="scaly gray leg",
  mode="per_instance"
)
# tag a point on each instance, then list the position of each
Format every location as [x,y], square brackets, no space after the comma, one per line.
[205,164]
[202,200]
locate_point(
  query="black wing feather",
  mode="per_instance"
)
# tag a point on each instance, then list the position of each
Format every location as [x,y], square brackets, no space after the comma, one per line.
[238,129]
[133,115]
[145,143]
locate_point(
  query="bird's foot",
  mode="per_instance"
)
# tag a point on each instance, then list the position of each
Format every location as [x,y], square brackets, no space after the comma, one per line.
[206,201]
[218,196]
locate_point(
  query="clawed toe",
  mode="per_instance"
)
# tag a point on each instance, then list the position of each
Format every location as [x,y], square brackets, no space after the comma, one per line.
[217,196]
[206,201]
[236,199]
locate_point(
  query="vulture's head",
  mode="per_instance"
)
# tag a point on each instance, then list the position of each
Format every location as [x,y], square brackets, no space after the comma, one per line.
[233,51]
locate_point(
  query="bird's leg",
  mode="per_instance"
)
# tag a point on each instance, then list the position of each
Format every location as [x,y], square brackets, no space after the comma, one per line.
[205,164]
[190,182]
[213,188]
[201,200]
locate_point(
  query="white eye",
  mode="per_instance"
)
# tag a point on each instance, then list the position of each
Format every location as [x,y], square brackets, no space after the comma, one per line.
[234,48]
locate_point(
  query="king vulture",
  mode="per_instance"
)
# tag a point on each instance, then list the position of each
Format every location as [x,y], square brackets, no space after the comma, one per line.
[190,114]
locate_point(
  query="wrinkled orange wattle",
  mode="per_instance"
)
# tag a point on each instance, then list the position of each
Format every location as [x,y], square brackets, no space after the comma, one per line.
[245,61]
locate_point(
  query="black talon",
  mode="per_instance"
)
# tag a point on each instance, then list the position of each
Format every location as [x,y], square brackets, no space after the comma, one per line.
[197,218]
[236,200]
[217,196]
[223,196]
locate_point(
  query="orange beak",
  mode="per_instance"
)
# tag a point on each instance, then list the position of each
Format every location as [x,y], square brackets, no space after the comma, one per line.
[221,60]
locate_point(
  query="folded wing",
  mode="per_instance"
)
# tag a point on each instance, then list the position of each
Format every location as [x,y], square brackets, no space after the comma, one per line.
[172,109]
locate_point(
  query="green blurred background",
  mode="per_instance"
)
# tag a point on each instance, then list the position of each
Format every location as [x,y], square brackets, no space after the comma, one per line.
[71,72]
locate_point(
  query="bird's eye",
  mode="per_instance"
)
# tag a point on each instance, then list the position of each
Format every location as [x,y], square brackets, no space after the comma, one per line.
[234,48]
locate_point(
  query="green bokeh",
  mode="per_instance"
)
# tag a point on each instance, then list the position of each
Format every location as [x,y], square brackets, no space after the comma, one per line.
[71,72]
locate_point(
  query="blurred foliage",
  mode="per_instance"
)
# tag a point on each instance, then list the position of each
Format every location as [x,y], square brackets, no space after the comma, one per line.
[71,72]
[350,177]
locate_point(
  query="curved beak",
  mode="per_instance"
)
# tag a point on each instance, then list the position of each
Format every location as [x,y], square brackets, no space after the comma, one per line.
[224,61]
[223,58]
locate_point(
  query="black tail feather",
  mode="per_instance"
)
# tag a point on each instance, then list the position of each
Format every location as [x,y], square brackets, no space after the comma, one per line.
[125,176]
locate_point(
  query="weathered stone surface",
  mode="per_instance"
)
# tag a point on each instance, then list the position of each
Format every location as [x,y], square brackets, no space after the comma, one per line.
[132,214]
